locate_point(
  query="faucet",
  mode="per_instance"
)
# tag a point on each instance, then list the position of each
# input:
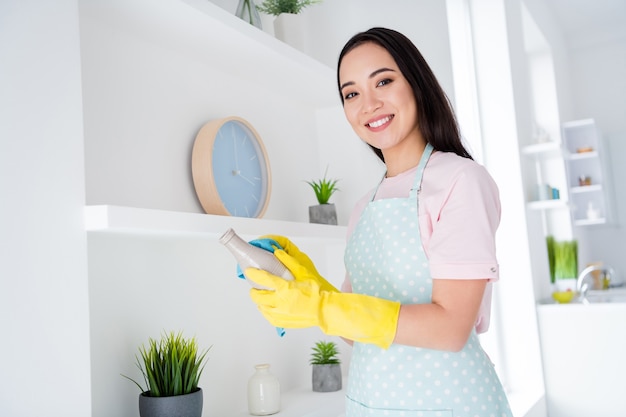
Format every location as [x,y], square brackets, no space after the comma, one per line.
[582,287]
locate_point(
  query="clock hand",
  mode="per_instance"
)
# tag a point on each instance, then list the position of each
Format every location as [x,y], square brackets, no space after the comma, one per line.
[247,179]
[236,159]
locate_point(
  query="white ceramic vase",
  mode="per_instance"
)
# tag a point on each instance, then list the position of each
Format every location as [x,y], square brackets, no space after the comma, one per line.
[263,392]
[290,29]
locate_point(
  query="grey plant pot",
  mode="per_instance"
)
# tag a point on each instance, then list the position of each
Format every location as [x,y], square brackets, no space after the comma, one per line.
[188,405]
[323,214]
[326,378]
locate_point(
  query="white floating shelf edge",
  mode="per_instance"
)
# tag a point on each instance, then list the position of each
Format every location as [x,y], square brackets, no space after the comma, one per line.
[108,218]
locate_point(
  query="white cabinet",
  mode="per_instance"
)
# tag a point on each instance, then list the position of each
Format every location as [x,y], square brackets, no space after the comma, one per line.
[583,358]
[586,174]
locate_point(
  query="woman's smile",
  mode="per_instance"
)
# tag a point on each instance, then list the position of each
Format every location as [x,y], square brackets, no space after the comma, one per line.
[380,123]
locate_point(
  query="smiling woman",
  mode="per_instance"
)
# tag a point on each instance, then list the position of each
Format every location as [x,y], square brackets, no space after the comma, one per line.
[418,286]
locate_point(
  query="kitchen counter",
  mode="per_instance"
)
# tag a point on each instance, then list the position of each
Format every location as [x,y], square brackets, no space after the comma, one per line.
[583,355]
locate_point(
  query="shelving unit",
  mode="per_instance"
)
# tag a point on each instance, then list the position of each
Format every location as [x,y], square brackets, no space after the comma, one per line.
[585,173]
[545,157]
[152,73]
[577,169]
[214,38]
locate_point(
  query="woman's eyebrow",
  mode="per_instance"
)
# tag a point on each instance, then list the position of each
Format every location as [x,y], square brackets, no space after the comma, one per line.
[372,75]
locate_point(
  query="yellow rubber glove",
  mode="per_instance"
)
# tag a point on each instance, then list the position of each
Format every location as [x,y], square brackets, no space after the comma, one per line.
[302,303]
[290,249]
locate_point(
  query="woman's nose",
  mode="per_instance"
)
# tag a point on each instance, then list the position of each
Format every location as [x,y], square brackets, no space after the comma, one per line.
[371,102]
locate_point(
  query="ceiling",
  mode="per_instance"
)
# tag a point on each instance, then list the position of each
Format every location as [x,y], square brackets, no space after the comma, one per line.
[589,21]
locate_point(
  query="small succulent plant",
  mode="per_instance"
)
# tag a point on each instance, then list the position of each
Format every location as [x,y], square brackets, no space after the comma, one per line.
[324,188]
[324,353]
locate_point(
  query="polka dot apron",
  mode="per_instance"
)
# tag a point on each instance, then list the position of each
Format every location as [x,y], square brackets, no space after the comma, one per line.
[385,258]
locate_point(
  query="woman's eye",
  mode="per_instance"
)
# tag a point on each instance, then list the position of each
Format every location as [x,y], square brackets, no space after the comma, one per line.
[384,82]
[349,96]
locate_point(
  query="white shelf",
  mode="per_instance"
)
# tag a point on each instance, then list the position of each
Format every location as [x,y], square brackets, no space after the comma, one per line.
[139,220]
[547,204]
[582,155]
[303,402]
[589,222]
[585,189]
[543,149]
[212,36]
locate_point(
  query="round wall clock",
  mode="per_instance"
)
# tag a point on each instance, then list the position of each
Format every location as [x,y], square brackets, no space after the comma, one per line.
[231,170]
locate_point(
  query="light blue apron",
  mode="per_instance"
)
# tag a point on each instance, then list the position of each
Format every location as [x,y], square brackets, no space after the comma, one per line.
[385,258]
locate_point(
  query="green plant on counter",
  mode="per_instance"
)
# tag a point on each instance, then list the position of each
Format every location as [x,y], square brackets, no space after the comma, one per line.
[325,353]
[170,366]
[278,7]
[550,244]
[324,188]
[565,259]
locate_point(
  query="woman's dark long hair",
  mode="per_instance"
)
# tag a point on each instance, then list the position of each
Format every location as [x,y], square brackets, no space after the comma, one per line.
[436,119]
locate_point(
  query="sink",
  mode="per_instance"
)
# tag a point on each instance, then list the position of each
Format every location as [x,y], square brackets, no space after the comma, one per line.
[613,295]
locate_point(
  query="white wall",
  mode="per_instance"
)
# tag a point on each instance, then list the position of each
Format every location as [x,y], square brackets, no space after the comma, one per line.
[44,312]
[599,92]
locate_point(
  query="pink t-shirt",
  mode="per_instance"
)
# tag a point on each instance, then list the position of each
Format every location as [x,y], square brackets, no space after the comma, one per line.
[459,212]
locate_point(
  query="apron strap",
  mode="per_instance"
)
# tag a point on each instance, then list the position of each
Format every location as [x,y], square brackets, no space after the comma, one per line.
[428,150]
[417,184]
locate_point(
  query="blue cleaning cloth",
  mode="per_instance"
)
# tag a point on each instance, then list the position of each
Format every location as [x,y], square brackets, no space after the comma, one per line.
[269,245]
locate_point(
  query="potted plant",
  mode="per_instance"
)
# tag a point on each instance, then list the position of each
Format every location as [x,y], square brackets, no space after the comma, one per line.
[171,368]
[563,262]
[324,212]
[278,7]
[326,367]
[288,27]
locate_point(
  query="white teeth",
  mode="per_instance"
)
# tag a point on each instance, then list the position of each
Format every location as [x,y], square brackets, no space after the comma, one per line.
[380,122]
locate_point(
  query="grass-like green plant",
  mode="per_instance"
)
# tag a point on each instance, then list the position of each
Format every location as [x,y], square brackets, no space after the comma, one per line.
[170,366]
[565,259]
[324,353]
[278,7]
[550,244]
[324,188]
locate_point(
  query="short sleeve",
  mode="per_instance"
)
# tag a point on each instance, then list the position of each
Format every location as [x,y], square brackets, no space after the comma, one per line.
[461,212]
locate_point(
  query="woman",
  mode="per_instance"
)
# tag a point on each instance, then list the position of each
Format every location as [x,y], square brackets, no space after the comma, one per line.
[420,256]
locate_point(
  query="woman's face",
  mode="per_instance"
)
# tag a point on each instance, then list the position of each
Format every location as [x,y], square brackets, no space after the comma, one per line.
[378,101]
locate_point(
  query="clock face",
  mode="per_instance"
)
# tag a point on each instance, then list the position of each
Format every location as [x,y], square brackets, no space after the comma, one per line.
[231,172]
[239,170]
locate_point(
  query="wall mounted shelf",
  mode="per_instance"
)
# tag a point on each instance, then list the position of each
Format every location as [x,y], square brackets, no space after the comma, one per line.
[584,163]
[214,37]
[547,204]
[106,218]
[303,402]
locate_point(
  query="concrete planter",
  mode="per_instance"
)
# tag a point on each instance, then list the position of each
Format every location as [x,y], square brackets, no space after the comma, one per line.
[188,405]
[323,214]
[326,378]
